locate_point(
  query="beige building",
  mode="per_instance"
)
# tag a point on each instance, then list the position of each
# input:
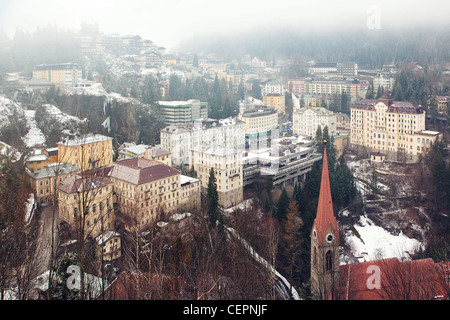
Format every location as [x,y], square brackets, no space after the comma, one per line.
[87,152]
[87,197]
[45,181]
[145,189]
[305,121]
[260,125]
[276,101]
[158,154]
[68,74]
[228,171]
[394,128]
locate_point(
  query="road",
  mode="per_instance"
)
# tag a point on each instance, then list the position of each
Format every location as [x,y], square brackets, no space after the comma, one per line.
[43,249]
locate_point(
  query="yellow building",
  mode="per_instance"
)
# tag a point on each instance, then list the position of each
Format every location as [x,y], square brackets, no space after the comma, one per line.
[146,189]
[86,152]
[87,197]
[68,74]
[276,101]
[45,181]
[394,128]
[158,154]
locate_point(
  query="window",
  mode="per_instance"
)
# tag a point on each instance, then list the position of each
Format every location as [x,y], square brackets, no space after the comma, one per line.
[328,260]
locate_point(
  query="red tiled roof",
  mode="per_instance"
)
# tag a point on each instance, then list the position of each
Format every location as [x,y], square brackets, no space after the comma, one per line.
[325,214]
[140,170]
[408,280]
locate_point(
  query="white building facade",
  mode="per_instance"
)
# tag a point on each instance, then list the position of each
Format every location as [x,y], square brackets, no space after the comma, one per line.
[305,121]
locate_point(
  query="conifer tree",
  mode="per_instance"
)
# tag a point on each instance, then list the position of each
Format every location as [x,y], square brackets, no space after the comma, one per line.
[282,205]
[212,198]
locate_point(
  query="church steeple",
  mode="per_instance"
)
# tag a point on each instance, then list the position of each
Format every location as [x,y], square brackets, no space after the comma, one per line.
[324,241]
[325,214]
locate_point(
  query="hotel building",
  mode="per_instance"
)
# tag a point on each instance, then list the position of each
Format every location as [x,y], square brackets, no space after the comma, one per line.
[394,128]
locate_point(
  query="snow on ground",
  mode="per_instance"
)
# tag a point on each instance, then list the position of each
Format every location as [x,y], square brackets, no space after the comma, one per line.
[375,242]
[7,109]
[67,121]
[34,136]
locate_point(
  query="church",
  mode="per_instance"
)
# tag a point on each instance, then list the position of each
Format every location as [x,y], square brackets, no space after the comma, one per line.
[383,279]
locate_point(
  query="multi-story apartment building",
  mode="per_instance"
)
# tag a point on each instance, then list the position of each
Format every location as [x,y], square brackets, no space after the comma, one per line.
[276,101]
[305,121]
[182,112]
[67,74]
[86,151]
[145,189]
[86,200]
[342,69]
[273,87]
[394,128]
[384,80]
[45,180]
[228,171]
[297,86]
[260,126]
[158,154]
[39,159]
[329,87]
[179,140]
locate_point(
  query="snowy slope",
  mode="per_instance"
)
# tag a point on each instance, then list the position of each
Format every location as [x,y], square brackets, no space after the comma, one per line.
[373,242]
[34,136]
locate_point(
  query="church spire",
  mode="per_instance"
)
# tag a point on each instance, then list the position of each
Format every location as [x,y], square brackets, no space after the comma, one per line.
[324,254]
[325,214]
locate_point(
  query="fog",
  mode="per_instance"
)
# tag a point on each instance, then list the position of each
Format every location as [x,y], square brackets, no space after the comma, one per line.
[168,22]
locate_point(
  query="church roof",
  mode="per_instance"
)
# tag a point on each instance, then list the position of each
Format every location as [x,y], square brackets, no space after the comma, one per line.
[391,279]
[325,214]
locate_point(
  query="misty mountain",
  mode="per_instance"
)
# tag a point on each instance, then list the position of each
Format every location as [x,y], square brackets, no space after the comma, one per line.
[369,48]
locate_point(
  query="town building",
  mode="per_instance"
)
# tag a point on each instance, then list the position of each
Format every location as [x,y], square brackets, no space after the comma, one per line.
[273,87]
[394,128]
[182,112]
[158,154]
[276,101]
[261,126]
[350,87]
[85,202]
[131,150]
[286,160]
[297,86]
[228,171]
[86,151]
[384,80]
[109,245]
[200,134]
[146,189]
[44,181]
[342,69]
[305,121]
[38,159]
[67,74]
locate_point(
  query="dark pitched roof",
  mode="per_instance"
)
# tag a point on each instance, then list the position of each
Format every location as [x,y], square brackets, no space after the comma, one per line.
[140,170]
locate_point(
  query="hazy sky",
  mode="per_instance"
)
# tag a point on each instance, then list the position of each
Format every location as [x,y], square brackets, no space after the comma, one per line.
[166,22]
